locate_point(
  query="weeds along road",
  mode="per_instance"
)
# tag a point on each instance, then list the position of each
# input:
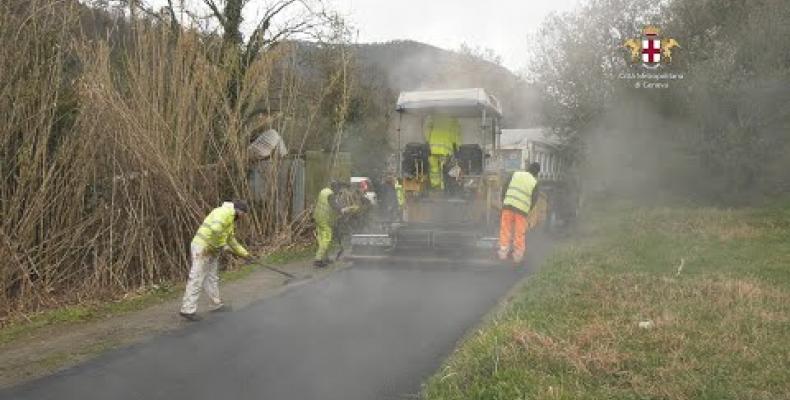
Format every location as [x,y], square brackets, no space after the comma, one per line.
[364,332]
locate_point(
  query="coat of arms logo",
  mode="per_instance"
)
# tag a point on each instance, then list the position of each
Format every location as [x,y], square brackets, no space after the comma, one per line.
[652,51]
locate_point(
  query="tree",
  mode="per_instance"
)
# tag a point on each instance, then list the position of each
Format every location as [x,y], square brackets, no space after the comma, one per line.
[280,20]
[720,134]
[482,53]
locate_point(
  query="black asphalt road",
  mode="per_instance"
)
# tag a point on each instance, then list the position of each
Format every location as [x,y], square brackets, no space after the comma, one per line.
[366,332]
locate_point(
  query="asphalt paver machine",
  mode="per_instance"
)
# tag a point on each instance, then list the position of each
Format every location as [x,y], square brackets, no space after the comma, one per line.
[452,173]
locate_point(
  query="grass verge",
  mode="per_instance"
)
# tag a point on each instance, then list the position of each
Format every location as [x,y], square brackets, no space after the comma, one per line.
[138,301]
[711,289]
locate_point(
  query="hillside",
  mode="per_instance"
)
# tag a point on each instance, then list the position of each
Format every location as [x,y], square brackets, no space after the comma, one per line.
[410,65]
[381,70]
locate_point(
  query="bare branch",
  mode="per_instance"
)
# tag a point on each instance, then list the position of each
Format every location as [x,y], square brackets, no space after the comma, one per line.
[266,36]
[140,5]
[215,10]
[288,31]
[265,23]
[198,18]
[174,24]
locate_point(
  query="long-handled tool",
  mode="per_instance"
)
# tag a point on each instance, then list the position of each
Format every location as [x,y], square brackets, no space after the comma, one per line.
[279,271]
[290,277]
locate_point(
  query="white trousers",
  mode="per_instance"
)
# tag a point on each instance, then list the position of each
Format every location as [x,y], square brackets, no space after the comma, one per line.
[203,274]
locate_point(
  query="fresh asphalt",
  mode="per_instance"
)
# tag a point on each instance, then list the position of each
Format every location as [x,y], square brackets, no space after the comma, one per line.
[365,332]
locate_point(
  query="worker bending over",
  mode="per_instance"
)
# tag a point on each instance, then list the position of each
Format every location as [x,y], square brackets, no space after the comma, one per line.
[327,208]
[520,196]
[216,234]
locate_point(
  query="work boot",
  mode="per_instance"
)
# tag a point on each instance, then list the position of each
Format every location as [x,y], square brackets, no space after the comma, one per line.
[503,253]
[191,317]
[222,308]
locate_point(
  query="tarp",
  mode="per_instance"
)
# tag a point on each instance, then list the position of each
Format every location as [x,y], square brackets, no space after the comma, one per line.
[266,144]
[456,103]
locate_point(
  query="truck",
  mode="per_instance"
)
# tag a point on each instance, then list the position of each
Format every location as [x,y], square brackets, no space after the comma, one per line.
[452,186]
[521,146]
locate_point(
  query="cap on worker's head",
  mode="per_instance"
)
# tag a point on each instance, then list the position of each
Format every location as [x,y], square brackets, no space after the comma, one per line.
[241,206]
[534,168]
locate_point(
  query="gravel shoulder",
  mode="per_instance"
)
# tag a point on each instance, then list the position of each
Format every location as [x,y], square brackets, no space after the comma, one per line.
[53,348]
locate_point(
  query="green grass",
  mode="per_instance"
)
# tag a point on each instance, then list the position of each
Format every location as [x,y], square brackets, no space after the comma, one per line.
[153,296]
[721,326]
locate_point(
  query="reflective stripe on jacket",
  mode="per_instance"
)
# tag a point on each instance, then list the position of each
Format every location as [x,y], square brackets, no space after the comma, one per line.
[218,231]
[323,213]
[519,193]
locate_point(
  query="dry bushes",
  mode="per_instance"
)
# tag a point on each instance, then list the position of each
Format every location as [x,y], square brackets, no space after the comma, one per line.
[112,148]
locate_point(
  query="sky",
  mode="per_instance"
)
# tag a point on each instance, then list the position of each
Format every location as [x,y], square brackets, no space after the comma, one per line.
[501,25]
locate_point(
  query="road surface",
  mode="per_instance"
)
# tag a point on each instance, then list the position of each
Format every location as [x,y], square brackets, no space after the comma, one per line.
[365,332]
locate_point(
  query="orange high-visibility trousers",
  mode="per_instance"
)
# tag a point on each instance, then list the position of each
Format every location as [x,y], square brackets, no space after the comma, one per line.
[512,227]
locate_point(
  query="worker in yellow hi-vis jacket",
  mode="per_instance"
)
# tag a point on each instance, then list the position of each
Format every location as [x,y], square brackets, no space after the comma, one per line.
[217,233]
[443,135]
[327,209]
[518,213]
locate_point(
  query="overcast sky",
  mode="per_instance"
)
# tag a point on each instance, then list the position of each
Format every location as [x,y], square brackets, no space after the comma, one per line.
[501,25]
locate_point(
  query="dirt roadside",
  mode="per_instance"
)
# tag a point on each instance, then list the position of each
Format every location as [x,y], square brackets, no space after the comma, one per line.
[51,349]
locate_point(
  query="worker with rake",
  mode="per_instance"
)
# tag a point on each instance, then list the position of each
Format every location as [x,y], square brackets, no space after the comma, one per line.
[216,234]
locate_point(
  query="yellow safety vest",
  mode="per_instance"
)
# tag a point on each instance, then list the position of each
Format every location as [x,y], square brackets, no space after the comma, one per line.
[519,193]
[442,135]
[323,212]
[400,193]
[218,231]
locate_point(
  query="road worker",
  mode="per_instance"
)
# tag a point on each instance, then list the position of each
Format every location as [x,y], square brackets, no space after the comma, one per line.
[401,197]
[216,234]
[452,176]
[392,198]
[443,135]
[520,196]
[327,209]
